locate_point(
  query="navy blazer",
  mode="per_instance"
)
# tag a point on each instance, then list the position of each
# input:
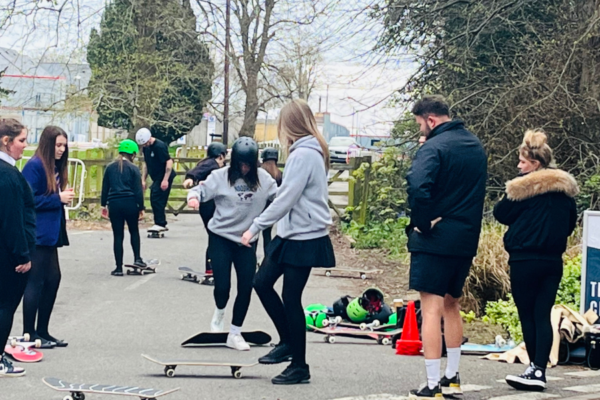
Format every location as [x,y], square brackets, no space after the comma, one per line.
[48,207]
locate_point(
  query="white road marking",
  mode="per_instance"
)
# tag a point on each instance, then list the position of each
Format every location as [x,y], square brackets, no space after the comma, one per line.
[548,378]
[584,374]
[592,396]
[382,396]
[585,388]
[140,282]
[474,388]
[526,396]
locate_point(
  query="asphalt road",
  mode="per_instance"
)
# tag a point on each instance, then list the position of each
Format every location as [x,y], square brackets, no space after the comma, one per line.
[109,322]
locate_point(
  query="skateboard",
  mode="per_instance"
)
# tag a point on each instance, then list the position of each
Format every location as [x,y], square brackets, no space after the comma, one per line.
[382,337]
[12,340]
[156,234]
[197,277]
[362,273]
[77,390]
[374,326]
[483,349]
[24,352]
[149,269]
[170,365]
[255,337]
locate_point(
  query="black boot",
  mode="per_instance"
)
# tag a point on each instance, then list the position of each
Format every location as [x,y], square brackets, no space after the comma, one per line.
[292,375]
[117,271]
[533,379]
[280,353]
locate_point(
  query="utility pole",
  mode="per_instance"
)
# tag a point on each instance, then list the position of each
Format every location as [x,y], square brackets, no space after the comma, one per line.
[226,92]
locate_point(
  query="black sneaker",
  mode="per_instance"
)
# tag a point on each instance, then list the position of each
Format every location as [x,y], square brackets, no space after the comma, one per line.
[451,386]
[8,370]
[292,375]
[533,379]
[46,344]
[140,263]
[59,342]
[117,272]
[426,393]
[280,353]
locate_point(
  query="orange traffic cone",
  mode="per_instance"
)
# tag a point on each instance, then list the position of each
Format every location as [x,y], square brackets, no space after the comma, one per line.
[409,343]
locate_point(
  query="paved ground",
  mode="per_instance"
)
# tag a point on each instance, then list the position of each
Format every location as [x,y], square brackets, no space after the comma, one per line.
[110,321]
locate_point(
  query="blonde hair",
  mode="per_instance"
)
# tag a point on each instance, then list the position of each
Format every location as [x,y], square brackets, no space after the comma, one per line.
[296,121]
[535,148]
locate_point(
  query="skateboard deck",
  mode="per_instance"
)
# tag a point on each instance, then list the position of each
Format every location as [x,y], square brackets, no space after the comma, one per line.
[24,352]
[156,234]
[382,337]
[149,269]
[196,276]
[362,273]
[170,365]
[255,337]
[483,349]
[77,390]
[374,326]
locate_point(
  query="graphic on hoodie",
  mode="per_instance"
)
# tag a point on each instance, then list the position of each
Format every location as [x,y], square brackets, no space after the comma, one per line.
[244,192]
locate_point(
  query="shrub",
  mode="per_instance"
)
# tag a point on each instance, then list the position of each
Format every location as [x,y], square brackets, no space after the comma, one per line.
[569,290]
[388,235]
[504,313]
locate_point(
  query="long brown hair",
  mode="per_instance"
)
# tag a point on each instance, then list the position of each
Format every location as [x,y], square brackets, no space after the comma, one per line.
[271,167]
[296,121]
[46,152]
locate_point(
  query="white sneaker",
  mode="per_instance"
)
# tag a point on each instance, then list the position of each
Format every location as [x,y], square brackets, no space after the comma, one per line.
[217,323]
[236,341]
[156,228]
[8,370]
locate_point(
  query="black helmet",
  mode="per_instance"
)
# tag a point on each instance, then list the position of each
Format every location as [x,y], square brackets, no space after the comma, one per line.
[215,149]
[270,154]
[244,150]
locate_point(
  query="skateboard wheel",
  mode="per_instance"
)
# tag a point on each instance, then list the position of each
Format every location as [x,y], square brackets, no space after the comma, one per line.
[376,323]
[26,337]
[327,273]
[38,343]
[237,374]
[68,398]
[182,277]
[363,276]
[331,339]
[128,272]
[13,342]
[325,323]
[386,341]
[170,372]
[363,326]
[338,319]
[78,396]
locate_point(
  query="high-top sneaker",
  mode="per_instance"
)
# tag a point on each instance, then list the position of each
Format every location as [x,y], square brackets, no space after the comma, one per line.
[117,271]
[236,341]
[8,370]
[280,353]
[533,379]
[292,375]
[451,386]
[217,323]
[140,263]
[426,393]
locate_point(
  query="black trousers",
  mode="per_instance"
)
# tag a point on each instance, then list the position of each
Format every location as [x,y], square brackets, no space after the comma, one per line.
[121,211]
[223,253]
[158,201]
[207,210]
[12,286]
[286,312]
[534,287]
[267,238]
[40,292]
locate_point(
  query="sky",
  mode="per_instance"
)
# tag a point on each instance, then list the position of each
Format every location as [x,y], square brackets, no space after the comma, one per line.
[357,82]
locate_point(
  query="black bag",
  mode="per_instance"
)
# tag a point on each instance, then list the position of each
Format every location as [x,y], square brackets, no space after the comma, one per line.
[592,349]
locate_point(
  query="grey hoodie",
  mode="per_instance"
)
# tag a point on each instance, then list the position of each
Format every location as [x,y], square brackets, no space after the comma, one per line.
[300,208]
[237,205]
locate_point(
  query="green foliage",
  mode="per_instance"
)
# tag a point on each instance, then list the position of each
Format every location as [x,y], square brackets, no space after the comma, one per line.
[468,317]
[504,313]
[569,291]
[589,198]
[388,235]
[149,68]
[4,92]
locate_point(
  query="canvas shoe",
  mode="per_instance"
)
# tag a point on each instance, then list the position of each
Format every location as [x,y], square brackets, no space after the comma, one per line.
[236,341]
[426,393]
[451,386]
[533,379]
[8,370]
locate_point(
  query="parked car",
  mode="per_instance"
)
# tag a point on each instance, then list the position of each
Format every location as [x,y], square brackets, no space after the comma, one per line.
[341,147]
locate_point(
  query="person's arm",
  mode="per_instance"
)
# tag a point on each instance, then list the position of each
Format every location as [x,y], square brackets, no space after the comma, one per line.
[144,175]
[138,191]
[205,191]
[572,215]
[12,223]
[168,170]
[421,179]
[507,211]
[36,177]
[106,187]
[288,194]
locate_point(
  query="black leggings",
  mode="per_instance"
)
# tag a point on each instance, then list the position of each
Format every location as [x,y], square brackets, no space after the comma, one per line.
[287,315]
[12,286]
[40,292]
[534,287]
[267,238]
[207,210]
[119,212]
[224,252]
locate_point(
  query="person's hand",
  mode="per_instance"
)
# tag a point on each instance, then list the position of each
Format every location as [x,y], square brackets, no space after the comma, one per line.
[422,140]
[193,204]
[246,238]
[435,221]
[188,183]
[143,184]
[141,216]
[104,213]
[164,185]
[67,196]
[21,269]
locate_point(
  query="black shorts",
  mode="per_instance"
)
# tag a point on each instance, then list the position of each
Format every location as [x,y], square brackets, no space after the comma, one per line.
[437,274]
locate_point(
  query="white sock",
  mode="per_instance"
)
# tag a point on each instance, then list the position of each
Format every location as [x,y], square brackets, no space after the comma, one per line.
[453,361]
[235,330]
[433,372]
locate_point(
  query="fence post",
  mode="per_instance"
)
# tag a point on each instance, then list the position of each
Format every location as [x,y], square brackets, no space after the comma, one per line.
[360,191]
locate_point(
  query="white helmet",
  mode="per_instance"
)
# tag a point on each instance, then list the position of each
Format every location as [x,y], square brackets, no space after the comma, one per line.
[143,136]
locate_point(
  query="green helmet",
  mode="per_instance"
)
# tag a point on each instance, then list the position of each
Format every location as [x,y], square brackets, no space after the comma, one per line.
[393,319]
[128,146]
[355,311]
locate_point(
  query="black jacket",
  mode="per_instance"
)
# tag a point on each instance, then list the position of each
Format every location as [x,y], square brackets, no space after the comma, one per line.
[118,184]
[17,218]
[447,180]
[540,212]
[202,170]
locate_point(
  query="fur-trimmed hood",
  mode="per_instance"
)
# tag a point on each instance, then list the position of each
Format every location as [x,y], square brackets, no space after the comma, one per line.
[540,182]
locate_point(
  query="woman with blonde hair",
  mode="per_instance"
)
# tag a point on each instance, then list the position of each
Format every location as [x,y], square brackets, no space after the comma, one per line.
[540,212]
[302,242]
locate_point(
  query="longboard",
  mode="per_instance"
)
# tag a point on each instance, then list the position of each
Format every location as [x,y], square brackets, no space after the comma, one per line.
[382,337]
[156,234]
[483,349]
[170,365]
[362,273]
[77,390]
[255,337]
[150,268]
[197,277]
[24,352]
